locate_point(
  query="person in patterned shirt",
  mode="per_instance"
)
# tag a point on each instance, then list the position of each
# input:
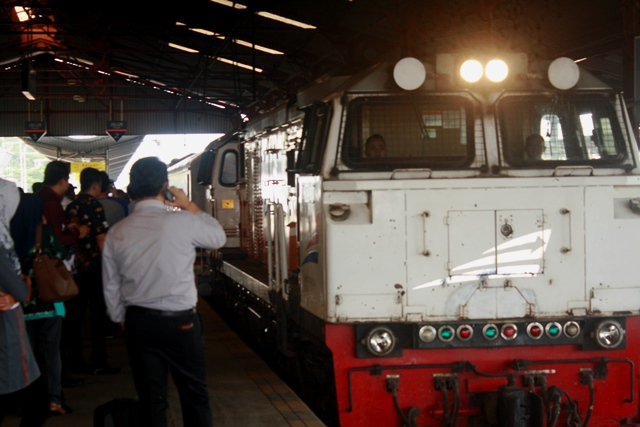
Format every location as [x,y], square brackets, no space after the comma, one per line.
[86,209]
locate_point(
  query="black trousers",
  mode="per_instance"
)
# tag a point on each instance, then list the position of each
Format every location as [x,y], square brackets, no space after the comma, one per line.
[159,343]
[91,296]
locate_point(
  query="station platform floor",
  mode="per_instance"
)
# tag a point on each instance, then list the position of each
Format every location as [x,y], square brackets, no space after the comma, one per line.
[244,391]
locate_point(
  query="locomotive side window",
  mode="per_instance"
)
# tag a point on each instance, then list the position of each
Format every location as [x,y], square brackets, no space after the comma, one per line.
[315,127]
[229,170]
[571,129]
[390,132]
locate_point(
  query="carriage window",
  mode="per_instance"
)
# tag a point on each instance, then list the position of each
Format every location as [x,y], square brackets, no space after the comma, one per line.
[392,132]
[555,130]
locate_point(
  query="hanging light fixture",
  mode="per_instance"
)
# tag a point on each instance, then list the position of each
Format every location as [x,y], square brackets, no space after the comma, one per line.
[28,81]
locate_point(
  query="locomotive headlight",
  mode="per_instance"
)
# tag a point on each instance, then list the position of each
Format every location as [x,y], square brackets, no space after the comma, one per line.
[380,341]
[471,70]
[496,70]
[609,334]
[563,73]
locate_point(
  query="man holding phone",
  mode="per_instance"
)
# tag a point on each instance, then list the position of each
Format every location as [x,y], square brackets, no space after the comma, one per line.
[149,288]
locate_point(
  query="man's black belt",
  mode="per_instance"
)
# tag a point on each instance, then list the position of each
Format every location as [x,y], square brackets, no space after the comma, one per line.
[164,313]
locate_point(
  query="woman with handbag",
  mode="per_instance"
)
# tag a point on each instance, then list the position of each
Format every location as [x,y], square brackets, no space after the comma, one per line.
[43,318]
[21,387]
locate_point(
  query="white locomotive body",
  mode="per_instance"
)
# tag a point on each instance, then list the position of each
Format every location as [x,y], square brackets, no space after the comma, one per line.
[464,278]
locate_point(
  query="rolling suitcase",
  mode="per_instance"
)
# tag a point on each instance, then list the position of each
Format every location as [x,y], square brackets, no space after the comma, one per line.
[119,412]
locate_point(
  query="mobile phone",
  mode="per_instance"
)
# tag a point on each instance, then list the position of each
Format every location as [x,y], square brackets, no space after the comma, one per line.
[168,195]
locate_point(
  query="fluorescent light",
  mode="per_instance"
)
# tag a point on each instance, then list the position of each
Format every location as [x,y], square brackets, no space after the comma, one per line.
[286,20]
[28,95]
[257,47]
[122,73]
[230,4]
[266,14]
[83,136]
[238,41]
[186,49]
[240,64]
[205,32]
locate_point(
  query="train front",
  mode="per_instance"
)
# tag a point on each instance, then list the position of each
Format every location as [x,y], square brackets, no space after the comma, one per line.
[480,268]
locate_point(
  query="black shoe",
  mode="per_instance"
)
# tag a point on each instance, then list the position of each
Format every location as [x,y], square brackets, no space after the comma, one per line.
[68,381]
[105,370]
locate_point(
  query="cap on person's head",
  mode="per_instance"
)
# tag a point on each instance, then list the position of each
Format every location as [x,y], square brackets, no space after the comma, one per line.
[55,171]
[146,178]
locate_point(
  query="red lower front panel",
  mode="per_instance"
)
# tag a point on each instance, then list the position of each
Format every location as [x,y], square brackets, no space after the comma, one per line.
[481,387]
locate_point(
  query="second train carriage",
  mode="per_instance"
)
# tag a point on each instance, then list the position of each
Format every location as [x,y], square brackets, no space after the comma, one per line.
[458,281]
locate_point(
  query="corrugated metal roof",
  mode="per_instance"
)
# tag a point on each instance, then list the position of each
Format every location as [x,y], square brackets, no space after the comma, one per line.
[95,149]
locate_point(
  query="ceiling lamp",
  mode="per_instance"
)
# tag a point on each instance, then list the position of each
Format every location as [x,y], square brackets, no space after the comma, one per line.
[180,47]
[239,64]
[232,4]
[286,20]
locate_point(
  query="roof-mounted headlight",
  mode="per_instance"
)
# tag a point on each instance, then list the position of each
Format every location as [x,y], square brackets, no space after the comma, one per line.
[409,73]
[380,341]
[497,70]
[471,70]
[563,73]
[609,334]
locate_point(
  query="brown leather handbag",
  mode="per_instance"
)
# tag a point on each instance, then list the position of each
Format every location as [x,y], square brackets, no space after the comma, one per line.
[52,279]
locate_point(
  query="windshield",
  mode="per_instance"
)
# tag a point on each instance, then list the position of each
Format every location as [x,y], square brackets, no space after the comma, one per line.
[560,129]
[389,133]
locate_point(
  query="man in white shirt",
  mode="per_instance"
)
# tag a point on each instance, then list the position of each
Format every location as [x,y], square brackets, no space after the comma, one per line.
[149,288]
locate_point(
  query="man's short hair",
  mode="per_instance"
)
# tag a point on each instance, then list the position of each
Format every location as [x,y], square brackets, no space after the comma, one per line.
[88,177]
[55,171]
[146,178]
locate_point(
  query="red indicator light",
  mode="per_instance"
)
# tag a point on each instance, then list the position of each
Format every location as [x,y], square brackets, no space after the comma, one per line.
[509,331]
[535,330]
[465,332]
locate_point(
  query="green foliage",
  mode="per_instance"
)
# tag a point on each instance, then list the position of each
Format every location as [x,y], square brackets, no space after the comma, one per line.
[25,165]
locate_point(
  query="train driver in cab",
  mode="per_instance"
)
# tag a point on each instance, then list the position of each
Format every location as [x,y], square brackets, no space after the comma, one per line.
[375,147]
[534,147]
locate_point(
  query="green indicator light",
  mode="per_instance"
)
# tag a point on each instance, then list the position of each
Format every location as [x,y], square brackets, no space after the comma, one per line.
[446,333]
[491,332]
[554,330]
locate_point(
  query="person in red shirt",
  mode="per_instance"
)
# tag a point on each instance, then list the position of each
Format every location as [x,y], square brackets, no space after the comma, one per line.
[55,185]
